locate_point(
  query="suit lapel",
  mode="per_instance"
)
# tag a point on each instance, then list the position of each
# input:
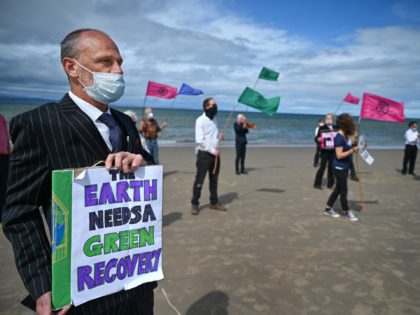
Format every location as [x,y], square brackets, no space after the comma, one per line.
[84,128]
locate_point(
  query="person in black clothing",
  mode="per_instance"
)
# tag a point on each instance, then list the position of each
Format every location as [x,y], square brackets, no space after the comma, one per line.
[241,129]
[318,145]
[325,137]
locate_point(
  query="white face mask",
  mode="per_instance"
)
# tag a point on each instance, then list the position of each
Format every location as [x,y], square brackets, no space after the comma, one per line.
[150,115]
[106,87]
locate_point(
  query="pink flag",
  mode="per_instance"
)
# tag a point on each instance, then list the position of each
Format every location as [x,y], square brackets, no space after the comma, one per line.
[351,99]
[161,90]
[380,108]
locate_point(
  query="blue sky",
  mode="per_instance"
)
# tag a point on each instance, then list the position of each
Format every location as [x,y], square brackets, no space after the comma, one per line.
[323,49]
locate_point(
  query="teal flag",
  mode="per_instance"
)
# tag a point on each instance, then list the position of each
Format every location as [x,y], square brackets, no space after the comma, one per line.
[256,100]
[268,74]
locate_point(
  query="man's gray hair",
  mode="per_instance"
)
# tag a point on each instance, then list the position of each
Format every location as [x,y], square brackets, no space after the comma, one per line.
[69,44]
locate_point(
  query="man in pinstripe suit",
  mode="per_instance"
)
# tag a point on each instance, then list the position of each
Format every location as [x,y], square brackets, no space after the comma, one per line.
[70,134]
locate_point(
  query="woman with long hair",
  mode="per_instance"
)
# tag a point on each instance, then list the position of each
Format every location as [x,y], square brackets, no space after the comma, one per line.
[341,164]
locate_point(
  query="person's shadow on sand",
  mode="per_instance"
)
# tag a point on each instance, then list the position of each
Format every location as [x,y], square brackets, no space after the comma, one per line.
[171,218]
[213,303]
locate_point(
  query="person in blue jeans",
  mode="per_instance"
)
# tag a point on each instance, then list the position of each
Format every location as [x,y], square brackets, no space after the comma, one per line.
[343,151]
[150,129]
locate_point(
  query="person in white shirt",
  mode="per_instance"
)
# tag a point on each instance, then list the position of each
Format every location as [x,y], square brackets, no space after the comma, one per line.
[410,152]
[207,150]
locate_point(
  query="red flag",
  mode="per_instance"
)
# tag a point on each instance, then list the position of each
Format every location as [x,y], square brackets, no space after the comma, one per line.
[351,99]
[380,108]
[161,90]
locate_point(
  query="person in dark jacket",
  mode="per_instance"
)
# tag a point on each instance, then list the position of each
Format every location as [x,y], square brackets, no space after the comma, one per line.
[325,137]
[241,129]
[318,145]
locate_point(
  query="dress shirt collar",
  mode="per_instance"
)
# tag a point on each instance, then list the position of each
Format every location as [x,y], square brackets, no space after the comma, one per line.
[90,110]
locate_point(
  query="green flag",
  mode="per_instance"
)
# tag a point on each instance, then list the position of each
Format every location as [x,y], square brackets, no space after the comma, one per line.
[256,100]
[268,74]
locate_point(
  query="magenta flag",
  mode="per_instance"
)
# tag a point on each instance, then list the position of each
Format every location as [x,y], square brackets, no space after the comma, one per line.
[380,108]
[160,90]
[349,98]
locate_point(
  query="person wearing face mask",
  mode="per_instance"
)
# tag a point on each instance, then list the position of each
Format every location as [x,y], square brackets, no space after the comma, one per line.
[325,137]
[318,144]
[78,131]
[410,153]
[207,151]
[150,129]
[241,128]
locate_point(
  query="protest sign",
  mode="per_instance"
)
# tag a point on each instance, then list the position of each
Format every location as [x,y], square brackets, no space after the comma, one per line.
[327,139]
[364,154]
[106,232]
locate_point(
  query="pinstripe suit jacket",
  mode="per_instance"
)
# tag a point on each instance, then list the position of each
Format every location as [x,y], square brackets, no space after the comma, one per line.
[58,136]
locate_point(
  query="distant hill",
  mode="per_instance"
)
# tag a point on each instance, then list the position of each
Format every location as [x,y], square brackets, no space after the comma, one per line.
[4,99]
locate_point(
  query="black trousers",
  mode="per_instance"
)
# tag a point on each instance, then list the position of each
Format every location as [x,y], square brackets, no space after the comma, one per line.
[4,170]
[327,157]
[317,154]
[240,156]
[340,189]
[205,163]
[410,155]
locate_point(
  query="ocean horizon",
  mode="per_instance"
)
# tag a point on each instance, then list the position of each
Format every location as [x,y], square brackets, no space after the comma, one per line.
[279,130]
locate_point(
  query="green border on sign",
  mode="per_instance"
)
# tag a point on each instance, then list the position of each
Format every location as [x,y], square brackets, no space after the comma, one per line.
[61,204]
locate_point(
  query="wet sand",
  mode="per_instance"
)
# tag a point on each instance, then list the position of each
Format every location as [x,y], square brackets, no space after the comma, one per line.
[273,252]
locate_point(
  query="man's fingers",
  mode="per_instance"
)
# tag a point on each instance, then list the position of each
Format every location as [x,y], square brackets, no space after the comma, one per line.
[64,310]
[124,161]
[126,164]
[136,163]
[109,160]
[118,159]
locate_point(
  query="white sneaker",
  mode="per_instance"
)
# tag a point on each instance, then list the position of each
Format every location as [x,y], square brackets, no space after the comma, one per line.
[351,216]
[331,213]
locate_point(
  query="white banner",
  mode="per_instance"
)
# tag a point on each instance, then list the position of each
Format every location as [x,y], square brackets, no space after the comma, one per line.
[364,154]
[116,231]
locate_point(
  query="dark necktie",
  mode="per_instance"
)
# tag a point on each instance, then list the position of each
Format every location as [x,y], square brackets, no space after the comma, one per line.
[114,131]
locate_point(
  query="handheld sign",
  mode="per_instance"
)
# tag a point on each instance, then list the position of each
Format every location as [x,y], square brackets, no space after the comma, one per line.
[327,139]
[106,232]
[364,154]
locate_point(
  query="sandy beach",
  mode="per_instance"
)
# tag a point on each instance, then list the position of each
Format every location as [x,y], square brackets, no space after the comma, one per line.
[273,252]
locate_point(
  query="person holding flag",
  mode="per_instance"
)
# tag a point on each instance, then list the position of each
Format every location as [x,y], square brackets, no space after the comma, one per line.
[343,150]
[207,150]
[150,129]
[241,128]
[410,152]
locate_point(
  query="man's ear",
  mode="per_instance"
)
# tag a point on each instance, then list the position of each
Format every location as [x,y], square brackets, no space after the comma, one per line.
[70,67]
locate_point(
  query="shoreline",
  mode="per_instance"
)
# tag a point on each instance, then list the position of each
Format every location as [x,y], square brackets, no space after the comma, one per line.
[231,144]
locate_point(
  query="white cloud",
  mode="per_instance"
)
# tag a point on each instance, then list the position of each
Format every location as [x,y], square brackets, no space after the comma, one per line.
[221,52]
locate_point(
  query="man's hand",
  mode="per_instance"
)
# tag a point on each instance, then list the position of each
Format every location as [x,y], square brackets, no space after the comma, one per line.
[319,139]
[124,161]
[356,149]
[221,136]
[217,153]
[43,306]
[164,125]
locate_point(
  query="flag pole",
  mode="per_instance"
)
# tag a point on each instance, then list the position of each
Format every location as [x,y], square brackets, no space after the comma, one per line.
[144,104]
[171,108]
[362,197]
[339,106]
[216,161]
[255,86]
[229,117]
